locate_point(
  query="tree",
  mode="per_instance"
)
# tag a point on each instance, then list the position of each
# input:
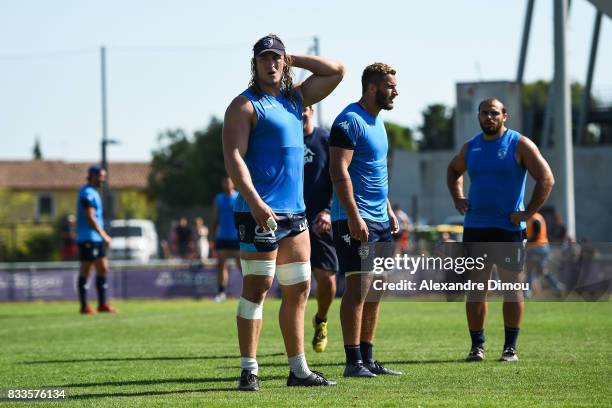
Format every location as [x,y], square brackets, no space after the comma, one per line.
[437,128]
[399,137]
[534,97]
[36,151]
[187,173]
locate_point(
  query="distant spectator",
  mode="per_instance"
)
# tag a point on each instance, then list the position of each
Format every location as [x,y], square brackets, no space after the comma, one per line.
[402,238]
[202,245]
[184,237]
[68,237]
[537,256]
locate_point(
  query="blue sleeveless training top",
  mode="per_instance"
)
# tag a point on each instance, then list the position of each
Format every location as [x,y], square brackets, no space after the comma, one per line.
[275,154]
[497,182]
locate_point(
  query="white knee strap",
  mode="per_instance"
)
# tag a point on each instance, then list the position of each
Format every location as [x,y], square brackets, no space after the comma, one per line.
[256,267]
[249,310]
[292,273]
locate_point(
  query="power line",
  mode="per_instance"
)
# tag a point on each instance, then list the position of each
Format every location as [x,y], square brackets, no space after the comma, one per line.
[135,48]
[51,54]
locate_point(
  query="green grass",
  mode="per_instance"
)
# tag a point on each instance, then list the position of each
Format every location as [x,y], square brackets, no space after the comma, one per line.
[184,353]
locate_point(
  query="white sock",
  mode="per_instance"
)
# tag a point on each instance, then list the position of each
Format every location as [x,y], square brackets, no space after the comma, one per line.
[249,363]
[299,366]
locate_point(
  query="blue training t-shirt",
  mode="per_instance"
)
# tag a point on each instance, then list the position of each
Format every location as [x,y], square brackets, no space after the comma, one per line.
[88,197]
[497,182]
[357,130]
[226,230]
[317,183]
[275,154]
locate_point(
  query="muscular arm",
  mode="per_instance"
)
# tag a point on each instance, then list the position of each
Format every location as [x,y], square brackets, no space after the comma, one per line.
[454,180]
[239,119]
[393,223]
[90,217]
[326,75]
[340,159]
[530,157]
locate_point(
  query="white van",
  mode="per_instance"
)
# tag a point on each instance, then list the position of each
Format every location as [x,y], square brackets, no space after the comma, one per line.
[133,239]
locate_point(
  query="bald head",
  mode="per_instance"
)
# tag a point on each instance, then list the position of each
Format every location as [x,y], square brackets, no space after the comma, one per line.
[492,101]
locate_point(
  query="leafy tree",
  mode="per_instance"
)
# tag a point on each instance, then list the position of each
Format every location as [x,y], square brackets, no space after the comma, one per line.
[36,151]
[400,137]
[187,172]
[437,128]
[534,98]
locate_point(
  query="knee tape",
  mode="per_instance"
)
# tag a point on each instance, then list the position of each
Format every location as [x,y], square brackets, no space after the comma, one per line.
[292,273]
[256,267]
[249,310]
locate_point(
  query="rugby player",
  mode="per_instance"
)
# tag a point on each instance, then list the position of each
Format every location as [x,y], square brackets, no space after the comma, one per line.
[263,147]
[91,241]
[361,213]
[224,233]
[317,197]
[497,161]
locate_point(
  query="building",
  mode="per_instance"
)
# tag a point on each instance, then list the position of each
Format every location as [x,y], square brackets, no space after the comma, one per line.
[36,194]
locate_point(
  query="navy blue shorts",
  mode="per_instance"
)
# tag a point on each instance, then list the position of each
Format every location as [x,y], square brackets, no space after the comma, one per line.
[227,244]
[355,256]
[91,251]
[322,251]
[254,238]
[504,248]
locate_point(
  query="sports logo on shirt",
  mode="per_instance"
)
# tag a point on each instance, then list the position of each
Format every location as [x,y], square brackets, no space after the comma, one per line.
[501,153]
[344,125]
[346,238]
[308,155]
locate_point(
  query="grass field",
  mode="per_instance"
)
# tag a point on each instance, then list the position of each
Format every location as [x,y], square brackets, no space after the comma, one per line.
[184,353]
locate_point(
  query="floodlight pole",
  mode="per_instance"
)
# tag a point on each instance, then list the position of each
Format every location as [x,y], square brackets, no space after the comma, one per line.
[585,105]
[564,154]
[525,42]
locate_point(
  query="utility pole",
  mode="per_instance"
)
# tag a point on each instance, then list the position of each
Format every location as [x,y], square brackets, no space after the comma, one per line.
[104,162]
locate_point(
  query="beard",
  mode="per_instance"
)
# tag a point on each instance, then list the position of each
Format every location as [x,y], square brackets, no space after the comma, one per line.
[382,101]
[490,129]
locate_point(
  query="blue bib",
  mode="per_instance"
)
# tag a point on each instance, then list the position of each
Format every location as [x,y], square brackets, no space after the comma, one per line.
[497,182]
[275,154]
[226,230]
[88,197]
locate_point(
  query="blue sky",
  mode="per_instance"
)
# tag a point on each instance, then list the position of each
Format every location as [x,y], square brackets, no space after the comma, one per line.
[176,64]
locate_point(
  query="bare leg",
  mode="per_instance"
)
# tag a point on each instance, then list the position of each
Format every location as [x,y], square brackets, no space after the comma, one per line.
[351,307]
[294,297]
[326,290]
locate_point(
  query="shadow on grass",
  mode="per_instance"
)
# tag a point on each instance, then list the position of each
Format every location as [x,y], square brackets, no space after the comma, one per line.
[148,393]
[160,358]
[164,381]
[389,362]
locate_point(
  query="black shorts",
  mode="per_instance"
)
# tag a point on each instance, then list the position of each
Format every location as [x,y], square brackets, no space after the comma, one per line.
[355,256]
[322,251]
[227,244]
[498,246]
[254,238]
[91,251]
